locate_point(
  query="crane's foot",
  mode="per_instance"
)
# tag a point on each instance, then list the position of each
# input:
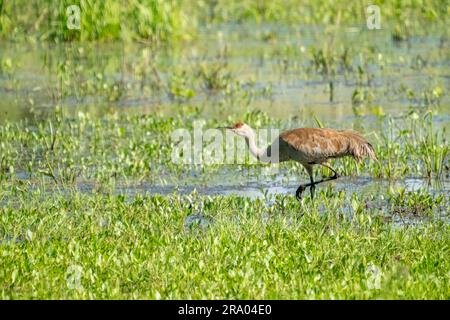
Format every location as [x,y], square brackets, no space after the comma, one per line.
[298,193]
[336,175]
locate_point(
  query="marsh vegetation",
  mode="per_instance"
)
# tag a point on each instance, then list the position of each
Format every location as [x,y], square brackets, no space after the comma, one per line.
[92,205]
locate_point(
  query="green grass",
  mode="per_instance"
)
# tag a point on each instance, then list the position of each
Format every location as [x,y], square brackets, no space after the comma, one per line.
[151,20]
[158,21]
[94,246]
[57,241]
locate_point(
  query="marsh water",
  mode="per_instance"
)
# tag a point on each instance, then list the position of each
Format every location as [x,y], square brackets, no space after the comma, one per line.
[278,70]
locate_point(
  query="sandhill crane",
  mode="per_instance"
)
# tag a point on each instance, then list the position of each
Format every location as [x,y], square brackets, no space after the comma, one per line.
[309,146]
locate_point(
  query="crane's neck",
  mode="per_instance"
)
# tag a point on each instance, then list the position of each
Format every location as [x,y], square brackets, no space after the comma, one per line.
[254,150]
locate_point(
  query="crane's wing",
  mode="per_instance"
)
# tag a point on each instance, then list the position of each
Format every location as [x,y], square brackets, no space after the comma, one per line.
[316,145]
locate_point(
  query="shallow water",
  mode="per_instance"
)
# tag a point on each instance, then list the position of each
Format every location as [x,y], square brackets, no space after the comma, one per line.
[253,190]
[272,65]
[224,183]
[373,190]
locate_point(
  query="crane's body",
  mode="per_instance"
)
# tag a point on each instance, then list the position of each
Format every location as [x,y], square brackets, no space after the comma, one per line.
[310,146]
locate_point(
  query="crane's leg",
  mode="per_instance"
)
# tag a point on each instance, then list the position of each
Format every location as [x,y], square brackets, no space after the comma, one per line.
[312,189]
[336,175]
[312,184]
[302,187]
[333,177]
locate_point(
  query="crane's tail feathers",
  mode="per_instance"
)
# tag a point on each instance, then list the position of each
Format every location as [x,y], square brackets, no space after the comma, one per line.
[365,150]
[360,148]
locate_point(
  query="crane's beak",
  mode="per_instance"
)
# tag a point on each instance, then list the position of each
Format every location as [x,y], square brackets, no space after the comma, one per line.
[229,128]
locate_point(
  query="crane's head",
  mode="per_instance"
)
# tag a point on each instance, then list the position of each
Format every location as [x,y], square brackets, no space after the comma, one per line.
[241,129]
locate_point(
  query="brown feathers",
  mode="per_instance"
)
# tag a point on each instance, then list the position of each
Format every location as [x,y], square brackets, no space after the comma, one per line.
[359,147]
[315,145]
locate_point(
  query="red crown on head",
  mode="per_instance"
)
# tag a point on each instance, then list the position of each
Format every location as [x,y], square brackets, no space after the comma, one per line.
[238,125]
